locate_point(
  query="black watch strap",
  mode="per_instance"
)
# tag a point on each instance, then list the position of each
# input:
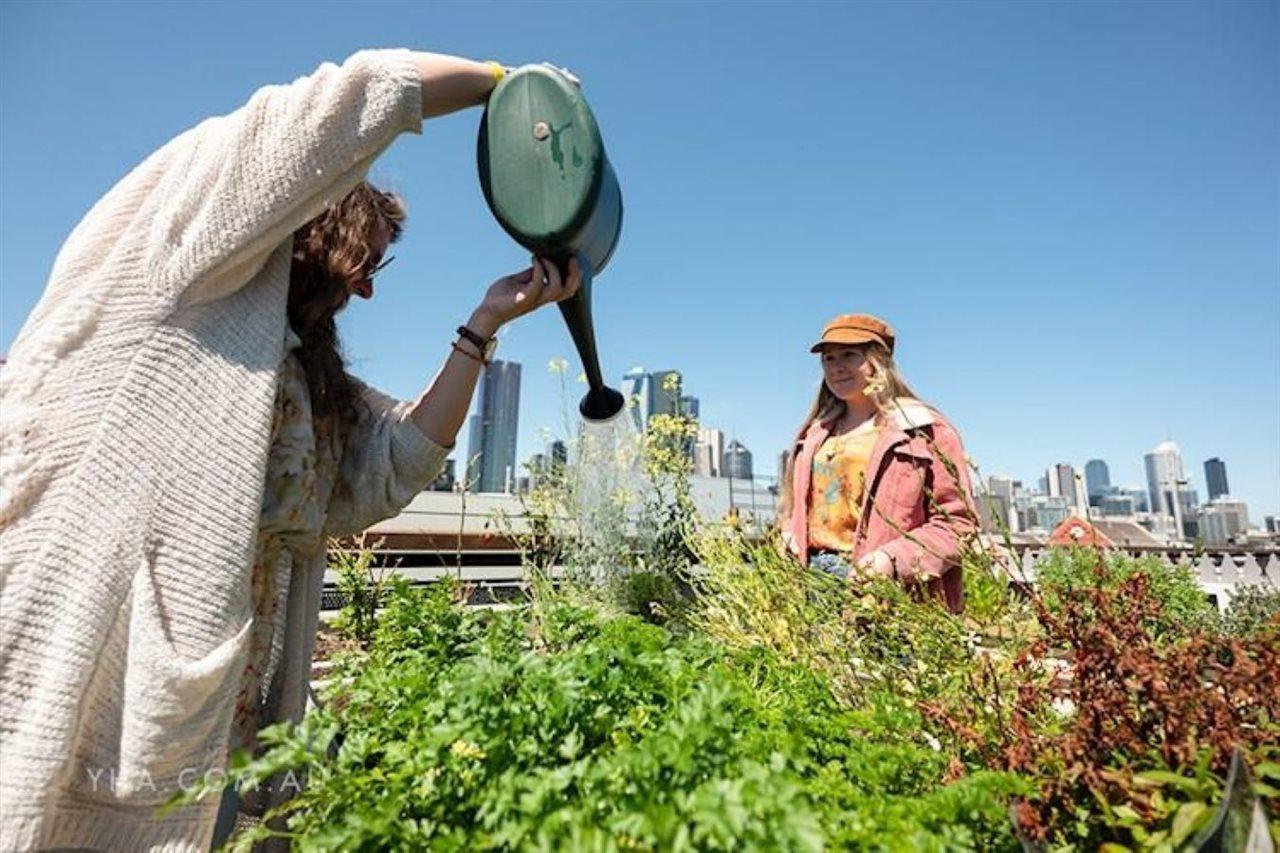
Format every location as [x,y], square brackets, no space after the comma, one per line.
[469,335]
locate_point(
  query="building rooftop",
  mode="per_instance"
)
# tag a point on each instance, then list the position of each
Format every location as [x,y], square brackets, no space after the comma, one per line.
[1126,534]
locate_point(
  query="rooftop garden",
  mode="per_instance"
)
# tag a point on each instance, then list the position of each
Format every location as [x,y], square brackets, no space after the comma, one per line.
[678,686]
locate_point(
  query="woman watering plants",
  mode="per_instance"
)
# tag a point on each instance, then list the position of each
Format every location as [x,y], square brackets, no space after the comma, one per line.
[180,436]
[877,482]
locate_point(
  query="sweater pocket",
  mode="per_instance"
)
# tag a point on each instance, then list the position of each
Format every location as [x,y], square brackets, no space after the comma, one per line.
[176,714]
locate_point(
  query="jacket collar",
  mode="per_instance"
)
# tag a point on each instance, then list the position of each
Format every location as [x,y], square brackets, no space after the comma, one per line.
[908,414]
[904,413]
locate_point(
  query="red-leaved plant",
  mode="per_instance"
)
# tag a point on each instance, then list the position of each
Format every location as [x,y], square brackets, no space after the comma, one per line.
[1124,708]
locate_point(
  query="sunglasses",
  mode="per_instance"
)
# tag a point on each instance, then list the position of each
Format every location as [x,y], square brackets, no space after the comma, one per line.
[377,267]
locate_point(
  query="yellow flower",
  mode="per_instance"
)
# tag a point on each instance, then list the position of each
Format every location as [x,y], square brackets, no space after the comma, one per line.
[463,749]
[877,384]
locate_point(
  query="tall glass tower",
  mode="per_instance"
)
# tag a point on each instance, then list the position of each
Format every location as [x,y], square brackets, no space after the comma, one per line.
[491,447]
[1166,482]
[1097,477]
[1215,477]
[737,461]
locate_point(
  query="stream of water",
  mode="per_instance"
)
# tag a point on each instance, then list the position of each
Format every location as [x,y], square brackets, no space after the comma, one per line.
[605,479]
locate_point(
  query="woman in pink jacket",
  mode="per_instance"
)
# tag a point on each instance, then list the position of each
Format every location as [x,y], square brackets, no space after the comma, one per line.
[877,482]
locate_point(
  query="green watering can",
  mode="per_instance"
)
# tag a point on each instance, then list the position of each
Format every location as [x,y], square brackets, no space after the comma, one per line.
[547,179]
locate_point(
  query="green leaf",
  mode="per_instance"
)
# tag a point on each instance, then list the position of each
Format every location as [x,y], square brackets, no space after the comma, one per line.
[1262,789]
[1127,815]
[1268,770]
[1166,777]
[1189,818]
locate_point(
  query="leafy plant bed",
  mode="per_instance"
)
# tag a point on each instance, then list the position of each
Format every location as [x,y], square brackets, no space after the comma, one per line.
[557,726]
[645,704]
[778,711]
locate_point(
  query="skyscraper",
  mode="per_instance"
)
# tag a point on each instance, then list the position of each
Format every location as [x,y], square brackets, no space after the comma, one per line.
[1000,485]
[1097,478]
[1215,476]
[657,393]
[491,448]
[737,461]
[558,453]
[1041,512]
[637,390]
[1165,482]
[1066,484]
[1001,490]
[708,453]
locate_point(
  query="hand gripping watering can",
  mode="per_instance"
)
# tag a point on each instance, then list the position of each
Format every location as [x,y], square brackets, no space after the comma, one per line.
[548,181]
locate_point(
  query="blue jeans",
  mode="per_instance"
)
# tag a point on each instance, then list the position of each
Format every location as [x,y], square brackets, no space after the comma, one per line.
[831,563]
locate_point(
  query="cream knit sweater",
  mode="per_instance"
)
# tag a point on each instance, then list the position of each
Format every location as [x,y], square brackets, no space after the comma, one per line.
[135,418]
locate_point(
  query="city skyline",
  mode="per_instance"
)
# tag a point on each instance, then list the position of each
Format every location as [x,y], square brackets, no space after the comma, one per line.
[1068,489]
[1106,172]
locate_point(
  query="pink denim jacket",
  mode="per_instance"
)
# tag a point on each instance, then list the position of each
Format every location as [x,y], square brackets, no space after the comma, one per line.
[918,509]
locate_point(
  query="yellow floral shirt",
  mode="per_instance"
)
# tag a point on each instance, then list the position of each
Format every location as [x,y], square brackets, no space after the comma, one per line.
[838,485]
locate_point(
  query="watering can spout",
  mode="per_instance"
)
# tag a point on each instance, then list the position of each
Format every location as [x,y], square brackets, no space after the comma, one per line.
[601,402]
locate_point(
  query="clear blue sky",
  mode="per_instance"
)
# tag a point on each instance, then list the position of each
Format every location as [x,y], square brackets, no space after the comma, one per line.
[1070,211]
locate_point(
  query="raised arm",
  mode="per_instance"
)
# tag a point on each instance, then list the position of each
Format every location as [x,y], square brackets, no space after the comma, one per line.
[450,83]
[230,190]
[396,448]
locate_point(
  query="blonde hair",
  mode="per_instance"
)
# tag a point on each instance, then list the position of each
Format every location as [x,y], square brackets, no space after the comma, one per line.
[885,386]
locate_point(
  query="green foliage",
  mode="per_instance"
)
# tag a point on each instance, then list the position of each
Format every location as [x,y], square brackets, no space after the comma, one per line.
[552,727]
[1184,608]
[425,621]
[754,704]
[360,585]
[618,520]
[1251,610]
[653,596]
[871,638]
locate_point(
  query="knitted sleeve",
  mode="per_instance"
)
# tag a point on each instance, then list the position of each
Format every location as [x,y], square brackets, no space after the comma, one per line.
[234,187]
[386,460]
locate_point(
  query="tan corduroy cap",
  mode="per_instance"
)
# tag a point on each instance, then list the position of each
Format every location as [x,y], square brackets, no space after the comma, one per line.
[856,329]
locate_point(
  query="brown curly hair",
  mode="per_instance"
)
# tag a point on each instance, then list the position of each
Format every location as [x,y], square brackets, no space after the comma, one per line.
[331,258]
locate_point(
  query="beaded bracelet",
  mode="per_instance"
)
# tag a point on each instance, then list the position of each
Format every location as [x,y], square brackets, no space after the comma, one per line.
[469,355]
